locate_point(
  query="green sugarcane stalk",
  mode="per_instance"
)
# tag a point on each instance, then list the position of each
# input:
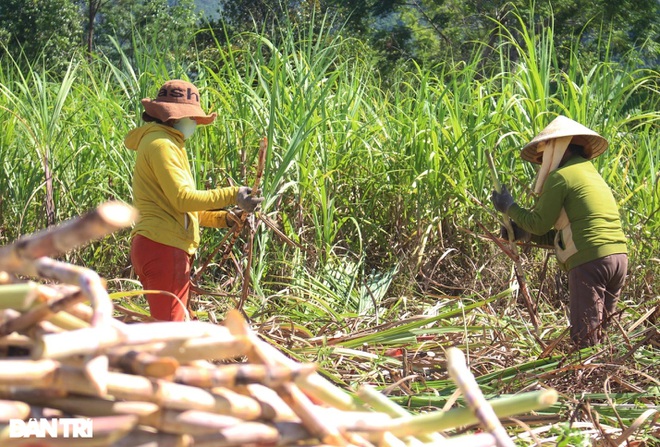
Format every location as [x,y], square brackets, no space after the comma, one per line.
[475,399]
[38,303]
[380,402]
[68,322]
[460,417]
[518,268]
[261,164]
[19,296]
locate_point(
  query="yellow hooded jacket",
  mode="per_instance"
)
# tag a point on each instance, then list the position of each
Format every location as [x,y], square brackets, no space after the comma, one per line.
[164,192]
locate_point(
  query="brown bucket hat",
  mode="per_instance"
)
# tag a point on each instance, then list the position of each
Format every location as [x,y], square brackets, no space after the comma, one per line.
[177,99]
[593,144]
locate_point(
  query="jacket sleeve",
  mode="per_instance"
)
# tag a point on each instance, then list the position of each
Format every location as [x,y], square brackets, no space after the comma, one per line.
[540,220]
[175,179]
[544,239]
[213,219]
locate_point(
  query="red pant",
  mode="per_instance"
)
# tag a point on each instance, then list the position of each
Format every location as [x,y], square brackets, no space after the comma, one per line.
[161,267]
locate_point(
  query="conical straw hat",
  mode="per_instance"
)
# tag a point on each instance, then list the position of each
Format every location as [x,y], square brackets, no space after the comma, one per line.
[594,144]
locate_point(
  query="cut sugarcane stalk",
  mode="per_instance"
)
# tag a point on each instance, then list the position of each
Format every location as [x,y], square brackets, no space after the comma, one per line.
[182,397]
[20,372]
[93,340]
[49,310]
[204,348]
[313,384]
[144,438]
[20,296]
[240,374]
[380,402]
[460,417]
[189,422]
[145,364]
[476,401]
[106,430]
[105,219]
[92,406]
[272,399]
[11,409]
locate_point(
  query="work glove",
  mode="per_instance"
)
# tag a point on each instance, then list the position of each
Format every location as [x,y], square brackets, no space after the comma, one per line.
[518,233]
[502,200]
[234,216]
[246,201]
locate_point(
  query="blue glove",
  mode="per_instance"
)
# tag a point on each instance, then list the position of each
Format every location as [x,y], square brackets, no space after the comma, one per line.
[503,200]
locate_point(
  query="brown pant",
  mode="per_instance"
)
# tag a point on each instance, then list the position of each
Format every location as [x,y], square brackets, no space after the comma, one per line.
[594,290]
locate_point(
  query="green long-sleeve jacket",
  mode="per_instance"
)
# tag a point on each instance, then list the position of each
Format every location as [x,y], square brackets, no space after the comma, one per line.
[594,227]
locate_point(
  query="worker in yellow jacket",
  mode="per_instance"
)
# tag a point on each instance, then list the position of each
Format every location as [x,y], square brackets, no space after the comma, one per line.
[171,207]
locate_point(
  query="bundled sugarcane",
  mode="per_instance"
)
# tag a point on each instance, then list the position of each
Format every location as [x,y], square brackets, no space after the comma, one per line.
[183,383]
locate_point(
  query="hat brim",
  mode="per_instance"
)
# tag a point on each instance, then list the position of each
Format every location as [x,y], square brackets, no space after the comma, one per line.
[593,143]
[166,111]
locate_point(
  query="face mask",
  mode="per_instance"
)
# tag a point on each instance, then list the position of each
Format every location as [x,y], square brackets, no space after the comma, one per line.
[186,126]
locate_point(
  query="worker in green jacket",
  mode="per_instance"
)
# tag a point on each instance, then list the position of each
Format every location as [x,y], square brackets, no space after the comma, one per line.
[577,211]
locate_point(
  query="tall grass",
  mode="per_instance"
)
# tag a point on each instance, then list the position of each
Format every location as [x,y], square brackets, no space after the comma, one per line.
[383,183]
[383,175]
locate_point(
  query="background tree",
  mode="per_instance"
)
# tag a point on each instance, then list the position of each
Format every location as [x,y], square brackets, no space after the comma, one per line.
[40,28]
[441,30]
[117,22]
[266,16]
[93,7]
[427,31]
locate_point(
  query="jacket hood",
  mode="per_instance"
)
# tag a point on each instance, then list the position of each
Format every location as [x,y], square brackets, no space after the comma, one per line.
[135,136]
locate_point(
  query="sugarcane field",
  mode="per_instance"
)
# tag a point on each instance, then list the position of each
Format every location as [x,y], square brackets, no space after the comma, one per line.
[369,224]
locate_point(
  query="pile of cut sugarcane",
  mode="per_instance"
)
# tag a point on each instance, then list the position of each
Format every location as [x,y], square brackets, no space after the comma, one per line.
[63,355]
